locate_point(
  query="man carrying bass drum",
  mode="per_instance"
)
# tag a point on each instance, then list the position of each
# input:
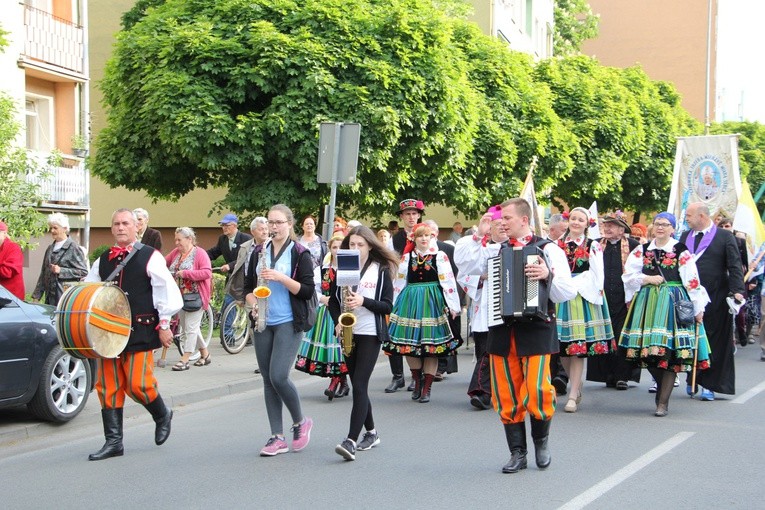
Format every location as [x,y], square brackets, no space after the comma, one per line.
[154,298]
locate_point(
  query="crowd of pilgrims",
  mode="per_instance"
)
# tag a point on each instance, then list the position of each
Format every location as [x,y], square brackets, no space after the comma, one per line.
[635,298]
[621,313]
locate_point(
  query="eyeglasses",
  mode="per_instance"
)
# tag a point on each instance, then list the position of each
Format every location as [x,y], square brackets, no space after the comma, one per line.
[273,223]
[662,225]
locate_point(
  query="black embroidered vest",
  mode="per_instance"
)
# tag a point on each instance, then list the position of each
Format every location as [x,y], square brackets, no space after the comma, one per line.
[136,283]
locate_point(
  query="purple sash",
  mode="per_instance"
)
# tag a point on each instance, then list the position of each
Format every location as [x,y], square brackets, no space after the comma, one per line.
[703,244]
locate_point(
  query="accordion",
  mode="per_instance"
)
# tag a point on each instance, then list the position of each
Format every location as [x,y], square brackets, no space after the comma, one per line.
[511,295]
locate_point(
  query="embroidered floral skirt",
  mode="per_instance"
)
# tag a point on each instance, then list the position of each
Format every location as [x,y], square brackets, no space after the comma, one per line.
[651,336]
[584,329]
[419,325]
[320,352]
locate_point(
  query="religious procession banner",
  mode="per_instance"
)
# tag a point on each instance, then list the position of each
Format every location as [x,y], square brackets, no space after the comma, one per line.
[706,170]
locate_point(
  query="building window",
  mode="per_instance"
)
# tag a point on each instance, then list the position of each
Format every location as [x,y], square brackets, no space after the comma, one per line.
[529,12]
[39,123]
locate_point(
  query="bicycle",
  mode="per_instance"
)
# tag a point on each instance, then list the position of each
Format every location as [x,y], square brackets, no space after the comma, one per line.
[207,326]
[239,334]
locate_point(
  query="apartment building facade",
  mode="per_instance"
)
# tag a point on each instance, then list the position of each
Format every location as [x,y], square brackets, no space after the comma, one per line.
[525,25]
[45,71]
[669,41]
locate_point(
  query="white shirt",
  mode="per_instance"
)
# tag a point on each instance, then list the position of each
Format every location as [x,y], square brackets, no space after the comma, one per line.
[164,291]
[365,319]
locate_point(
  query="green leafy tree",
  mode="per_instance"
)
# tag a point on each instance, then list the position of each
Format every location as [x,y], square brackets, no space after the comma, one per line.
[17,196]
[646,182]
[232,93]
[751,150]
[605,118]
[626,126]
[574,24]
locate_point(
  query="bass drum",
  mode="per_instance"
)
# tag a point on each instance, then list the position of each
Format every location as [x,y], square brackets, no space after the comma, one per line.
[93,320]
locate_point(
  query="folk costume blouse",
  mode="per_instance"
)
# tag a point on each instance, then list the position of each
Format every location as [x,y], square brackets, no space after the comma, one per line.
[677,265]
[585,260]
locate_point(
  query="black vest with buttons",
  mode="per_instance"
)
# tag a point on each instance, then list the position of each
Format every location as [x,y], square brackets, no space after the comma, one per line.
[136,282]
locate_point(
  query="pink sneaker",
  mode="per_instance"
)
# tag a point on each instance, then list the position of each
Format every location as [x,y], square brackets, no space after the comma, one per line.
[301,434]
[274,446]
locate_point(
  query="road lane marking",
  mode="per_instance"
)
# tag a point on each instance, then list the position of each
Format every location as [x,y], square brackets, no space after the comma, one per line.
[600,488]
[749,394]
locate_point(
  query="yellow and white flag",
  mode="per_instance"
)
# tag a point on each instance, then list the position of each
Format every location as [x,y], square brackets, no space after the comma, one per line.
[747,219]
[528,193]
[706,170]
[593,232]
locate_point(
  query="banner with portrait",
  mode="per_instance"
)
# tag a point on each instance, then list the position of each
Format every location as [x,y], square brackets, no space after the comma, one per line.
[706,170]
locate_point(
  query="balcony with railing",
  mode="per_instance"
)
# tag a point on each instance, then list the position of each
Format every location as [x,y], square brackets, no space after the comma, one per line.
[64,183]
[53,42]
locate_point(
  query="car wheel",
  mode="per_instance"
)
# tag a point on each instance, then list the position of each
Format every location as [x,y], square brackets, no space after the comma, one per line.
[65,383]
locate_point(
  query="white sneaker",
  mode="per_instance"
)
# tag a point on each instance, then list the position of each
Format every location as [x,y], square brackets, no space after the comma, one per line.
[677,380]
[652,389]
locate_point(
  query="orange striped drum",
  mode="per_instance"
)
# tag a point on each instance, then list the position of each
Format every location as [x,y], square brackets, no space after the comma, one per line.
[93,320]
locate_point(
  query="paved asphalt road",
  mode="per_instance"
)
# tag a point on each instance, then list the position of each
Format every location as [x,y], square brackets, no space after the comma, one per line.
[613,453]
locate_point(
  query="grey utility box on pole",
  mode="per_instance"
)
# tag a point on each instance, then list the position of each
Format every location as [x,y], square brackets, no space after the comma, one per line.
[338,160]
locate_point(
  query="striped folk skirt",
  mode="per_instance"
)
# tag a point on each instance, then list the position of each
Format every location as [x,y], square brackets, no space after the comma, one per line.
[320,352]
[584,329]
[653,338]
[419,324]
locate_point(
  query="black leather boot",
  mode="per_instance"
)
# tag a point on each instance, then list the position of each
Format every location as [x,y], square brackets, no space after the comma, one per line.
[516,440]
[112,419]
[162,417]
[417,380]
[396,383]
[540,429]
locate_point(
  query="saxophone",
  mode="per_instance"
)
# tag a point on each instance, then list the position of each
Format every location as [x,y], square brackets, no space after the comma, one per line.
[347,320]
[262,292]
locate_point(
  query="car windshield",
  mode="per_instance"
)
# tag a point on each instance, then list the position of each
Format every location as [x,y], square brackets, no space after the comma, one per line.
[4,293]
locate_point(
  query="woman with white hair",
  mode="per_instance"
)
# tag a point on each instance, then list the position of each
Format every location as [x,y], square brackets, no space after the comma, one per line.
[193,272]
[63,261]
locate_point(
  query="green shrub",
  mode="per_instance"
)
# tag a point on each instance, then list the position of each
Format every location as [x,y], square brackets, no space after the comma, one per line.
[97,252]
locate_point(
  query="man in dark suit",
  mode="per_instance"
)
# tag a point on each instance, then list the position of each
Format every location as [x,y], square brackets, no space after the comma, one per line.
[147,235]
[228,245]
[719,264]
[613,369]
[743,251]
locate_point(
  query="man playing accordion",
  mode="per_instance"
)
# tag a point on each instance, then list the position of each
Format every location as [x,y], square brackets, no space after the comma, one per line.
[519,348]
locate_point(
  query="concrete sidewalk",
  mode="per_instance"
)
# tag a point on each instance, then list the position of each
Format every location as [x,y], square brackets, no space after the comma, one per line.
[226,375]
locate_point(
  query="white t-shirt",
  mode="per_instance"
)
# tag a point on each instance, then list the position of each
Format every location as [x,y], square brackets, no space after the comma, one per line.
[365,319]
